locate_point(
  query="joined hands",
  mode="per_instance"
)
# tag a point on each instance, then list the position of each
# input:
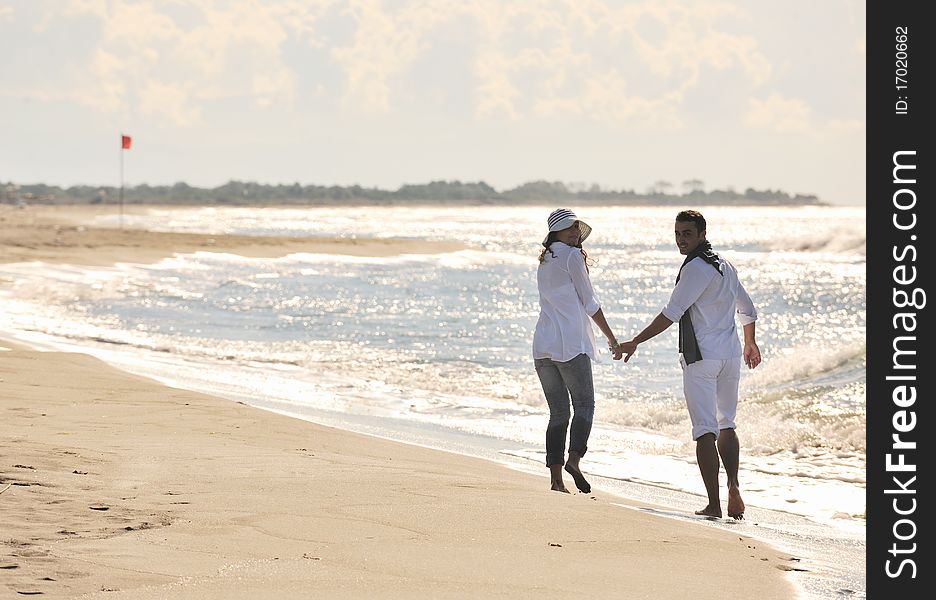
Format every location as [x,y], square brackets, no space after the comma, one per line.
[623,350]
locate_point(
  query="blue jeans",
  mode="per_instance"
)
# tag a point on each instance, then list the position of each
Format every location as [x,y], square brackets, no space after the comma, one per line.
[562,381]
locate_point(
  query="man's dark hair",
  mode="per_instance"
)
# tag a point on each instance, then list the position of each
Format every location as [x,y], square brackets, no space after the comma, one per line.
[693,216]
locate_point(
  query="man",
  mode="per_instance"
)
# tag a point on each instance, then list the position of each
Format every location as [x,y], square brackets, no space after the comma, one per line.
[704,302]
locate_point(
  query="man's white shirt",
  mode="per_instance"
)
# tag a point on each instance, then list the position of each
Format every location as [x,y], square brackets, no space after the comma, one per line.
[712,300]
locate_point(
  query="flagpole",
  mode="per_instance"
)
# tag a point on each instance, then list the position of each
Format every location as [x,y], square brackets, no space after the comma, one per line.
[121,179]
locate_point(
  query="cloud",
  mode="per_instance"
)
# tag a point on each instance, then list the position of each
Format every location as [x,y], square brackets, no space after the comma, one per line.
[496,93]
[689,40]
[539,58]
[102,84]
[779,114]
[846,125]
[604,97]
[168,100]
[385,44]
[598,59]
[167,59]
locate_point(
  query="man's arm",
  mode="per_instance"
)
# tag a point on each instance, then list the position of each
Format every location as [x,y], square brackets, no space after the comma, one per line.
[692,282]
[747,315]
[656,327]
[752,356]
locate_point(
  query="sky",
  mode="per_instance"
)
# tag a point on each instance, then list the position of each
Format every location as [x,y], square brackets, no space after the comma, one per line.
[622,94]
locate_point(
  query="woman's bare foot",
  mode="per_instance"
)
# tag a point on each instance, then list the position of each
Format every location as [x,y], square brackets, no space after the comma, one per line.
[735,504]
[709,511]
[558,486]
[555,477]
[572,468]
[580,482]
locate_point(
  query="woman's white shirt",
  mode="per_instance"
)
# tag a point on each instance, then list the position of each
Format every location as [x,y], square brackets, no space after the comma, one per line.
[567,301]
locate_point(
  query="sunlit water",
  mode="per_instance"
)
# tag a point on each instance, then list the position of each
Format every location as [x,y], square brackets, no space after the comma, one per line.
[436,348]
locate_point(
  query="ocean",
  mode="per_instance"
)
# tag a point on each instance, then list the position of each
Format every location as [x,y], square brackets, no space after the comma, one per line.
[435,349]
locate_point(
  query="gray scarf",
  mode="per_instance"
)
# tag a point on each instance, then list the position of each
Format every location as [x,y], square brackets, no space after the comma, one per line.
[688,346]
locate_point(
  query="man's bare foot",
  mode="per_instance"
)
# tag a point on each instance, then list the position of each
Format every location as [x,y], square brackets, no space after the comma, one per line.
[709,511]
[580,482]
[735,504]
[559,487]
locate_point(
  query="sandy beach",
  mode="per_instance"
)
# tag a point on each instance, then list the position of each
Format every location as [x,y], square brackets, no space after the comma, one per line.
[116,486]
[56,234]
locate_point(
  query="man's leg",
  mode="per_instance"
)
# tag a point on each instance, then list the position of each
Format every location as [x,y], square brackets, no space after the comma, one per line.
[729,448]
[699,387]
[707,457]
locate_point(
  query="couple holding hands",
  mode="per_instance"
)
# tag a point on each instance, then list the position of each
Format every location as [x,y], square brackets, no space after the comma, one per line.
[705,302]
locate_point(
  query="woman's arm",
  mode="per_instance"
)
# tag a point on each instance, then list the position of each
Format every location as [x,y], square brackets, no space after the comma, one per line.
[602,324]
[586,294]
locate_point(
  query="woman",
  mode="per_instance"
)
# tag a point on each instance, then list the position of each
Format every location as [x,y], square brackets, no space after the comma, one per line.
[564,343]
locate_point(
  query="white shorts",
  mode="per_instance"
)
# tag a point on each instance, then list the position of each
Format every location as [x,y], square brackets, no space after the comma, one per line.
[711,390]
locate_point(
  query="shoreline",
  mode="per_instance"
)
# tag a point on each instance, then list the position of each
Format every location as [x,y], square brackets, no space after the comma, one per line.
[118,483]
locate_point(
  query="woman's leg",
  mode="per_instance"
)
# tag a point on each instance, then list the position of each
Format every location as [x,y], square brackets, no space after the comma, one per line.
[577,377]
[557,397]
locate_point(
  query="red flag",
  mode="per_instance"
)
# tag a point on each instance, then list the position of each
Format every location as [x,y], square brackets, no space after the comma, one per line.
[125,142]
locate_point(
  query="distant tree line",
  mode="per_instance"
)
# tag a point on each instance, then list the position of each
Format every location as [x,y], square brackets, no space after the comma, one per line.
[252,193]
